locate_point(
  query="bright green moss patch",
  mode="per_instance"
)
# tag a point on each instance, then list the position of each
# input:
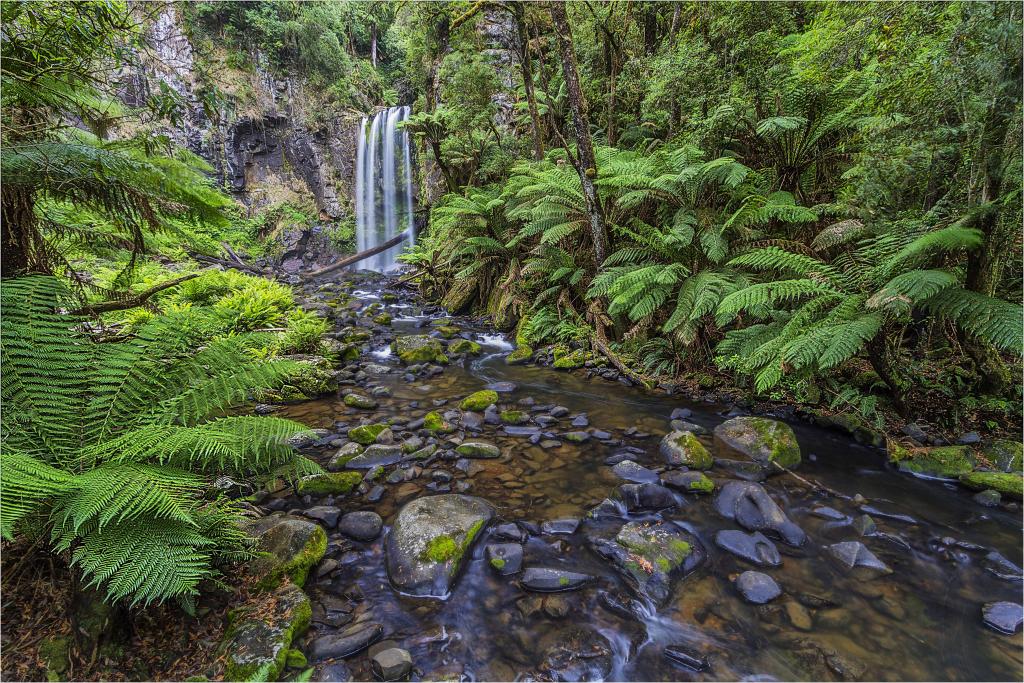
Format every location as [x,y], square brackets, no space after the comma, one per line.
[464,346]
[479,401]
[382,319]
[441,549]
[944,461]
[498,563]
[563,580]
[522,354]
[514,417]
[433,422]
[448,331]
[1007,483]
[366,434]
[329,483]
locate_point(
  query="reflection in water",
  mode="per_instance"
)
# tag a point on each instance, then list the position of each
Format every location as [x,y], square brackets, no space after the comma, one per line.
[922,622]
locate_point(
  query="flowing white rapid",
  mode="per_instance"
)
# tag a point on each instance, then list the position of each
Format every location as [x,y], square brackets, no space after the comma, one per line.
[383,186]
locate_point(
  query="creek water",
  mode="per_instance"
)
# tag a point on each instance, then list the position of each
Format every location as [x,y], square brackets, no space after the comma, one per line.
[922,622]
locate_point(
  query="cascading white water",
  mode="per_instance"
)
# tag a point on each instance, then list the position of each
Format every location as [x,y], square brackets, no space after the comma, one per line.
[383,186]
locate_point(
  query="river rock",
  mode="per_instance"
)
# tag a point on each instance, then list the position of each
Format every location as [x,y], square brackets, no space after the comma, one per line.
[510,531]
[391,664]
[759,439]
[645,497]
[691,482]
[683,448]
[376,455]
[346,643]
[631,471]
[418,348]
[366,434]
[681,654]
[755,548]
[362,526]
[650,557]
[750,506]
[1004,454]
[551,580]
[757,588]
[259,641]
[567,525]
[505,558]
[854,557]
[429,539]
[1005,617]
[288,547]
[343,455]
[578,654]
[359,401]
[502,387]
[326,514]
[478,449]
[479,400]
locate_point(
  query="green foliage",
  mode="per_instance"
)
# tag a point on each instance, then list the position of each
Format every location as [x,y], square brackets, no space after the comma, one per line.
[110,447]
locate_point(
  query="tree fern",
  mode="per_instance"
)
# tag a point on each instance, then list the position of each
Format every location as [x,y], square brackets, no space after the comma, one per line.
[113,444]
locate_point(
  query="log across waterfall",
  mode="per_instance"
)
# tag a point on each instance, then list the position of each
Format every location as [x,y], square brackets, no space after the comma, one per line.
[383,186]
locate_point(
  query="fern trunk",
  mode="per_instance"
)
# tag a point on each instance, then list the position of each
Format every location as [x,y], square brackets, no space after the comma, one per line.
[16,230]
[586,163]
[884,363]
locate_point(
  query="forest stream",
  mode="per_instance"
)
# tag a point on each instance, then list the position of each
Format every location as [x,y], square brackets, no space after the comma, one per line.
[829,621]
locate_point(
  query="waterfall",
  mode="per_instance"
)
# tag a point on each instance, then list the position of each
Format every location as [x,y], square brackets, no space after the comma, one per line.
[383,186]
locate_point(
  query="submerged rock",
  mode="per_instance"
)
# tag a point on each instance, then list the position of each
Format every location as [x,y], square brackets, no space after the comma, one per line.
[765,442]
[683,448]
[680,654]
[691,482]
[757,588]
[754,548]
[551,580]
[631,471]
[478,449]
[360,401]
[578,654]
[1005,617]
[505,558]
[646,497]
[567,525]
[429,539]
[650,557]
[750,506]
[376,455]
[346,643]
[854,557]
[391,664]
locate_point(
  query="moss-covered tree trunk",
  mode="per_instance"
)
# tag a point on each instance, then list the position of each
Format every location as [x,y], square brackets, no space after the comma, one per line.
[518,12]
[586,164]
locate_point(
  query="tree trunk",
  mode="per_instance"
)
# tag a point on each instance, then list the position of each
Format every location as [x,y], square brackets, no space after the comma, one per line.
[675,23]
[545,79]
[526,68]
[650,30]
[373,44]
[881,359]
[15,229]
[611,65]
[985,268]
[587,165]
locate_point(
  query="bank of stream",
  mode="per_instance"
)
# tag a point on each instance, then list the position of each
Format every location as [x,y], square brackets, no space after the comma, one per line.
[945,556]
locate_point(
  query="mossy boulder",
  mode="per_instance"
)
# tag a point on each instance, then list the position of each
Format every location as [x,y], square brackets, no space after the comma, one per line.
[430,539]
[287,546]
[366,434]
[328,483]
[312,376]
[343,455]
[259,639]
[418,348]
[761,440]
[650,557]
[346,352]
[479,400]
[353,335]
[1004,454]
[435,422]
[360,401]
[1007,483]
[514,417]
[464,346]
[478,449]
[382,319]
[683,448]
[570,360]
[448,331]
[522,354]
[941,461]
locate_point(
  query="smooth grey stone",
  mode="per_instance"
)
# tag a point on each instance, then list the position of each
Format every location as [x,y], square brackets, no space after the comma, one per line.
[510,531]
[687,426]
[362,526]
[757,588]
[560,526]
[328,514]
[680,654]
[646,497]
[502,387]
[345,644]
[680,413]
[753,509]
[1005,617]
[581,420]
[505,558]
[550,580]
[631,471]
[854,556]
[375,455]
[826,512]
[755,548]
[391,664]
[375,494]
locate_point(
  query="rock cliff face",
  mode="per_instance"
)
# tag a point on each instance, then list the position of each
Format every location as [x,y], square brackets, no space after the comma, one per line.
[264,149]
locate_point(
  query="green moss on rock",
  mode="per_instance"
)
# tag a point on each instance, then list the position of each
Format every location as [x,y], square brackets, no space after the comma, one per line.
[288,547]
[942,461]
[1004,454]
[259,642]
[522,354]
[448,331]
[1007,483]
[359,401]
[764,441]
[418,348]
[382,319]
[434,422]
[329,483]
[479,400]
[683,448]
[366,434]
[514,417]
[441,549]
[464,346]
[571,360]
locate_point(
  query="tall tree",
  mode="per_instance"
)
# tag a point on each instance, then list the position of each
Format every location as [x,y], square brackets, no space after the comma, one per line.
[518,10]
[584,161]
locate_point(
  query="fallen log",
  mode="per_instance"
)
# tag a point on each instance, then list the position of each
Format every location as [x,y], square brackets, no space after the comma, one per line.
[355,258]
[237,265]
[133,301]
